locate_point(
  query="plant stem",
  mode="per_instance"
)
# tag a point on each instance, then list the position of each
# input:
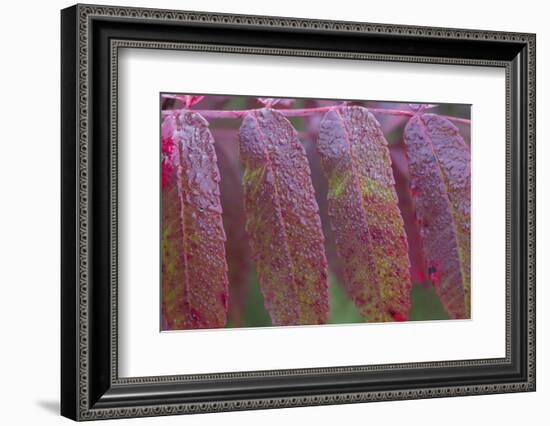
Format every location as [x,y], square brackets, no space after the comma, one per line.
[302,112]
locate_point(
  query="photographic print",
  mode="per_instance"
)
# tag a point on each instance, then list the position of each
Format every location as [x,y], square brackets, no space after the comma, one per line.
[287,212]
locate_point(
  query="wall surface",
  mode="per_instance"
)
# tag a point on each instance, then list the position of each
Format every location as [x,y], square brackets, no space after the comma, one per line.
[29,225]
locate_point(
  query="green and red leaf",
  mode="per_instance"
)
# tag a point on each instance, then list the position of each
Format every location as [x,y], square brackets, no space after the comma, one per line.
[439,163]
[194,270]
[283,221]
[363,211]
[311,128]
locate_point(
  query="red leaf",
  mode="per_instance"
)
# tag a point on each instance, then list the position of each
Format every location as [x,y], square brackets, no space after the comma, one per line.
[311,133]
[283,221]
[439,162]
[194,271]
[237,249]
[369,231]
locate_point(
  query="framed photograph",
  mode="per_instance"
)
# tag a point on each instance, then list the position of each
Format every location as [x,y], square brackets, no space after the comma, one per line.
[263,212]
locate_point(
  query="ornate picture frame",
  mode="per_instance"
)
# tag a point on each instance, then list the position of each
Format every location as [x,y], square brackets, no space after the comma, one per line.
[91,38]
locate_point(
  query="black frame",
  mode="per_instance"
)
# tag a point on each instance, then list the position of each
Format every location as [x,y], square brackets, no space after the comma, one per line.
[90,38]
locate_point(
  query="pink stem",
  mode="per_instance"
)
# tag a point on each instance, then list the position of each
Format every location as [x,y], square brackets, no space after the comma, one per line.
[301,112]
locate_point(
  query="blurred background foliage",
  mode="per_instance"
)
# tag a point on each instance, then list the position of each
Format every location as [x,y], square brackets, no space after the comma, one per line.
[246,306]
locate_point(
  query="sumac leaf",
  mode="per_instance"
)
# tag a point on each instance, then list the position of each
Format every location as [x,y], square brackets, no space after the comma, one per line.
[283,220]
[194,270]
[362,203]
[311,133]
[237,249]
[439,162]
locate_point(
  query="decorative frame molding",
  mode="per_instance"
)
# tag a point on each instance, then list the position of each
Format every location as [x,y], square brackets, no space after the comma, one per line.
[91,388]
